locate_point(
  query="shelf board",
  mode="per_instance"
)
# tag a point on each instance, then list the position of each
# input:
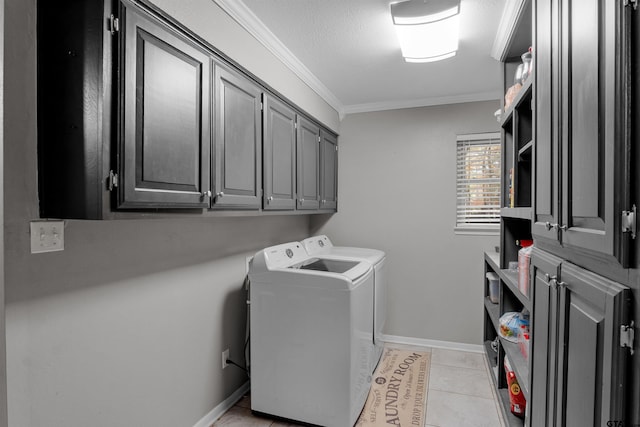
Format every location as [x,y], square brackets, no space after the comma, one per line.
[493,310]
[507,115]
[525,152]
[510,419]
[516,213]
[518,363]
[493,259]
[510,278]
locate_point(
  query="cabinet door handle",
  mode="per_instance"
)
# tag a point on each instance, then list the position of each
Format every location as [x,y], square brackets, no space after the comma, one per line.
[548,225]
[555,284]
[269,199]
[563,227]
[220,194]
[205,194]
[301,200]
[559,284]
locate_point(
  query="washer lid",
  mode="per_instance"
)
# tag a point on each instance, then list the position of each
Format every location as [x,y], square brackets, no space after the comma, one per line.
[321,245]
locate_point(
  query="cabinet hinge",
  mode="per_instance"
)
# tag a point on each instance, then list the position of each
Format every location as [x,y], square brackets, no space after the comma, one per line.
[113,24]
[627,335]
[261,106]
[633,3]
[628,222]
[319,140]
[112,180]
[336,148]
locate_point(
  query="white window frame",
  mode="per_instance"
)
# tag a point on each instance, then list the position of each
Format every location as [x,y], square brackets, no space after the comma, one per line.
[486,228]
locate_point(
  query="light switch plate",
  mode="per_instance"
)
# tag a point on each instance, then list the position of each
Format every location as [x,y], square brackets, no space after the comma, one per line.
[47,236]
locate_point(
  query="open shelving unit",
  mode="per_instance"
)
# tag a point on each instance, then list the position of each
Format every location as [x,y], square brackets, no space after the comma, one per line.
[518,144]
[510,299]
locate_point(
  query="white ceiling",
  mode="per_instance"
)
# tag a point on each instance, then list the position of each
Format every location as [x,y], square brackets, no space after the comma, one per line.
[349,49]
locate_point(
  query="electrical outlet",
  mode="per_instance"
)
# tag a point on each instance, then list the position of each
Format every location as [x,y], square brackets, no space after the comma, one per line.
[225,357]
[246,270]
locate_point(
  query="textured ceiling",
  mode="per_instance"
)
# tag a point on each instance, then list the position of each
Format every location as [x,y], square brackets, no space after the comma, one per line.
[351,47]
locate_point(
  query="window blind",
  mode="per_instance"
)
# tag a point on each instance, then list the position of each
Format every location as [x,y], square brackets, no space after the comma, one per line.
[478,180]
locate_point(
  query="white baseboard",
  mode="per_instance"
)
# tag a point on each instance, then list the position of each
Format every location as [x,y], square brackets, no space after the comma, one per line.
[449,345]
[223,407]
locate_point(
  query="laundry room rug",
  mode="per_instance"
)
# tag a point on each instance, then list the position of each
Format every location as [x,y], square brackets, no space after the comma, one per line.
[398,392]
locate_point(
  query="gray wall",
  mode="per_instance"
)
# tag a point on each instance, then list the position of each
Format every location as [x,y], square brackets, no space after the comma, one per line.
[397,192]
[3,359]
[127,325]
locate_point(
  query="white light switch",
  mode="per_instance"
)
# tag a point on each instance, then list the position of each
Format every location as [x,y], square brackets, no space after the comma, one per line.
[47,236]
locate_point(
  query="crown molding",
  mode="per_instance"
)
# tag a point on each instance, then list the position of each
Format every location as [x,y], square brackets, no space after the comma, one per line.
[424,102]
[511,16]
[240,13]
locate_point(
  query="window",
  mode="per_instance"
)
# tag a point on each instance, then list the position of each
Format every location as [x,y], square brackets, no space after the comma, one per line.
[478,182]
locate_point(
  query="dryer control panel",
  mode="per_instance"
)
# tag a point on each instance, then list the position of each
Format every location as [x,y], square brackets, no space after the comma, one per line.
[280,256]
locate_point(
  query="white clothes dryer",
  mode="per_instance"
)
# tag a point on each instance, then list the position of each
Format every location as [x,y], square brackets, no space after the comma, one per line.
[311,323]
[322,246]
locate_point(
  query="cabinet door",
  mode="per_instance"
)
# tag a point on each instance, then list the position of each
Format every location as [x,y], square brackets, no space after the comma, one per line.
[591,365]
[544,338]
[594,144]
[279,155]
[165,116]
[328,171]
[546,162]
[308,165]
[238,141]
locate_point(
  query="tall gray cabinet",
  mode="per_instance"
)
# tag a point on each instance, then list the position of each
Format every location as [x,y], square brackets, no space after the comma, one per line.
[582,360]
[583,366]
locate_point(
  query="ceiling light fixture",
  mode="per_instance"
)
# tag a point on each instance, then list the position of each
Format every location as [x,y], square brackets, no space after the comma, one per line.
[427,29]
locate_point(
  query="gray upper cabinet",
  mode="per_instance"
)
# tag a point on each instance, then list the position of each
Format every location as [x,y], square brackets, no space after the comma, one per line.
[279,155]
[582,140]
[578,361]
[166,136]
[591,140]
[154,119]
[545,164]
[238,141]
[328,171]
[308,185]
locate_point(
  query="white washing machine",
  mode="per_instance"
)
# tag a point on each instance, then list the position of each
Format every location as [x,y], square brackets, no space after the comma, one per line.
[322,246]
[311,335]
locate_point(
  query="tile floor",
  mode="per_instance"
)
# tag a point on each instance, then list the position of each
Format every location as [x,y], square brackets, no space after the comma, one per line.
[460,394]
